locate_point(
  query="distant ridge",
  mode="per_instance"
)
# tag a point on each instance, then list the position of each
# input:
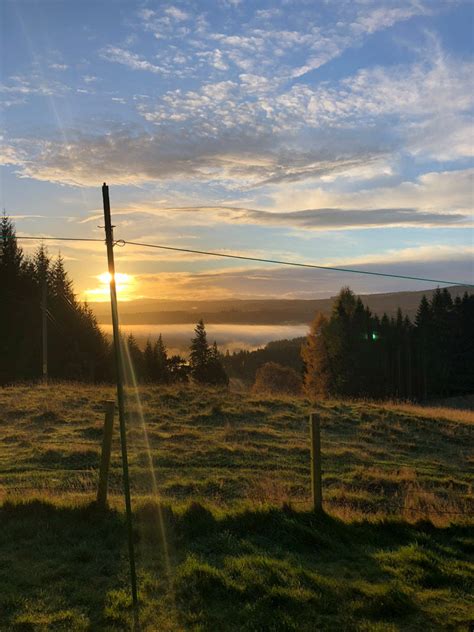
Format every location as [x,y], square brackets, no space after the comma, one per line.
[255,311]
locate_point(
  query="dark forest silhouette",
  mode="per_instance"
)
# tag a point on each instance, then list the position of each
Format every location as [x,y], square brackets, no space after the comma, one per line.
[77,347]
[354,353]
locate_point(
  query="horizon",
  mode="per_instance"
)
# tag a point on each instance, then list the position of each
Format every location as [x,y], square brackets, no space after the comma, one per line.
[332,134]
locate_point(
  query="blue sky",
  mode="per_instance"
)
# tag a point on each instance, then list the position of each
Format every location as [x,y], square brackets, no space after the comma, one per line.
[328,132]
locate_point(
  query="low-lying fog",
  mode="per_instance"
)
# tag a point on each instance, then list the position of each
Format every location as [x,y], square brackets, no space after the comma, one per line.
[232,337]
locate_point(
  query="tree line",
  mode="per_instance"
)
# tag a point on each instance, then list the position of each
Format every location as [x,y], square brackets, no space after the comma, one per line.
[154,365]
[354,353]
[77,348]
[244,364]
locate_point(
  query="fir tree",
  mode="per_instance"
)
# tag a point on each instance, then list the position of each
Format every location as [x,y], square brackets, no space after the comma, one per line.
[199,354]
[178,369]
[205,362]
[160,358]
[216,372]
[149,362]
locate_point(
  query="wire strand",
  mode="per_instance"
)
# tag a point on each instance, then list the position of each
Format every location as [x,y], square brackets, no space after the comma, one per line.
[294,263]
[56,238]
[122,242]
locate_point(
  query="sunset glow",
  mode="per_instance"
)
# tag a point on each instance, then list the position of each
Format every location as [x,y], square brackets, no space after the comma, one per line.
[317,132]
[124,284]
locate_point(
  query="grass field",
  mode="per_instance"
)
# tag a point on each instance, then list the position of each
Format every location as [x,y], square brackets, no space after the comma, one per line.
[224,532]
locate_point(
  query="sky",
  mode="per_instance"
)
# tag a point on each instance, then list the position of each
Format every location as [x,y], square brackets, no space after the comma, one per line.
[328,132]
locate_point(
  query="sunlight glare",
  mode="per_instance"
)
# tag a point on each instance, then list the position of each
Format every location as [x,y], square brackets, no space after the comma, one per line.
[124,284]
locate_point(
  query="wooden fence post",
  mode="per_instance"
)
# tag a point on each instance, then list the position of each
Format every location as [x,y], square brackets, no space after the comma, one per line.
[316,482]
[105,456]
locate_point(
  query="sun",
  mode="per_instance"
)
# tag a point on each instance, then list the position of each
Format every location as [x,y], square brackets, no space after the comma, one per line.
[125,284]
[121,279]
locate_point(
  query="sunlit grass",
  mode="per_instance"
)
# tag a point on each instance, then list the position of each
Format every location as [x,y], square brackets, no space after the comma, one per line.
[243,550]
[227,448]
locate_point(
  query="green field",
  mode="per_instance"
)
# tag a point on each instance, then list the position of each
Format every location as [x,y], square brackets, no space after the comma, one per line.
[224,533]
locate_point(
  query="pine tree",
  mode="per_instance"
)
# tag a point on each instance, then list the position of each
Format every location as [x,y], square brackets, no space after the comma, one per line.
[423,322]
[149,362]
[160,358]
[205,362]
[134,364]
[216,373]
[200,353]
[319,378]
[14,301]
[178,368]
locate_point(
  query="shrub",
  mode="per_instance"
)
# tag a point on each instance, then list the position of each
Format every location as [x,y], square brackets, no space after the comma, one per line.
[277,379]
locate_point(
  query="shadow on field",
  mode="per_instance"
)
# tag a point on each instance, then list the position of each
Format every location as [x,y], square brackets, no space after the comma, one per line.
[58,565]
[282,570]
[256,570]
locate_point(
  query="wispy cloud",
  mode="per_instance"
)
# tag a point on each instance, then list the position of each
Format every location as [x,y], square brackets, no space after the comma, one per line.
[129,59]
[285,282]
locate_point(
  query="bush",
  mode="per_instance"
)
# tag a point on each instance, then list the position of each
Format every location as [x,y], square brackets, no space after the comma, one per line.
[277,379]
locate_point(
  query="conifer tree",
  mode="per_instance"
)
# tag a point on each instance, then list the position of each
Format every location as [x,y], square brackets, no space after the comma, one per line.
[205,362]
[149,362]
[178,368]
[199,353]
[423,322]
[216,371]
[14,312]
[134,365]
[160,358]
[318,379]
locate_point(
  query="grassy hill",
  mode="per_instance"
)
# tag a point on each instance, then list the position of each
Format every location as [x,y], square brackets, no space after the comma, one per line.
[224,532]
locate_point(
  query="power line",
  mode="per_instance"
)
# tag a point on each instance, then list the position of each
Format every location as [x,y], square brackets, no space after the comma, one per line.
[123,242]
[56,238]
[292,263]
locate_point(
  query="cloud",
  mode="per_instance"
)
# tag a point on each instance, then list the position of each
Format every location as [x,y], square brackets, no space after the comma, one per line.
[240,158]
[424,108]
[252,130]
[269,281]
[9,155]
[323,219]
[129,59]
[176,14]
[33,84]
[215,58]
[433,192]
[433,200]
[272,39]
[342,219]
[383,17]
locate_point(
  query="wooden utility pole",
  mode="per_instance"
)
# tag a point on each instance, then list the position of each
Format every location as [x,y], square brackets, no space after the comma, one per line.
[316,481]
[109,240]
[44,318]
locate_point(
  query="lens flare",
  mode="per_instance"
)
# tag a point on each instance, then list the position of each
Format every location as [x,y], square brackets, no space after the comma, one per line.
[136,415]
[124,284]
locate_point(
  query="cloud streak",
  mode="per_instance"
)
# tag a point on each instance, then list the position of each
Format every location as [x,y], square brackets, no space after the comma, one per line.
[291,283]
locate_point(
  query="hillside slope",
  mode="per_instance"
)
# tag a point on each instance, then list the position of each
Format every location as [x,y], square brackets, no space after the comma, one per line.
[235,545]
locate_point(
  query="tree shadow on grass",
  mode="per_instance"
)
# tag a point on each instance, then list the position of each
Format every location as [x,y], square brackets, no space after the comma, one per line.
[282,570]
[59,566]
[66,568]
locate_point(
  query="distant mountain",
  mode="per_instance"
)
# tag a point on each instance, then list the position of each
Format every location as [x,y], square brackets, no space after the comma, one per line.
[255,312]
